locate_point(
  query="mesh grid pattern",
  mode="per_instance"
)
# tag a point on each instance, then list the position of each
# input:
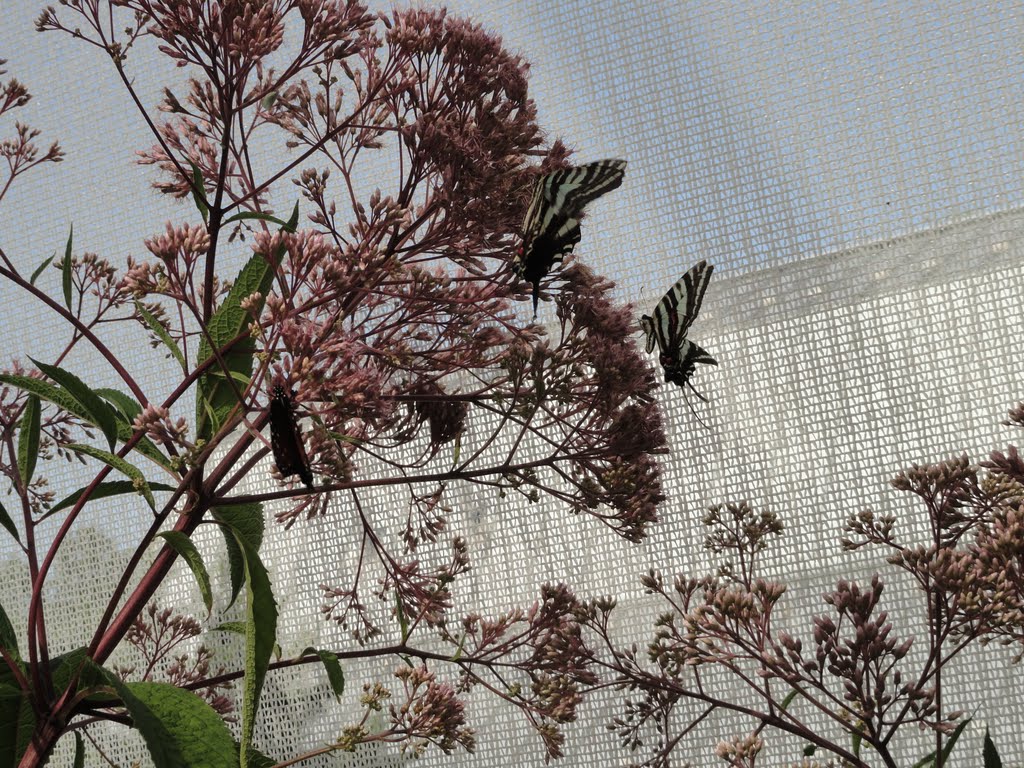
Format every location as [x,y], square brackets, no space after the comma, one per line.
[855,175]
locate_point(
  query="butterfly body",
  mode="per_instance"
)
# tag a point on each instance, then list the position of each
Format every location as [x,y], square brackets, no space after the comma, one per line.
[551,227]
[672,318]
[286,438]
[680,367]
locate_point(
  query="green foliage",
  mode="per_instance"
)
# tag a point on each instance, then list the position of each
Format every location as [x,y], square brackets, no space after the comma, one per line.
[180,729]
[28,441]
[161,333]
[39,269]
[139,481]
[199,193]
[234,627]
[104,490]
[8,637]
[217,396]
[44,390]
[245,520]
[335,675]
[183,545]
[929,760]
[66,269]
[288,226]
[8,523]
[17,720]
[260,634]
[989,753]
[127,408]
[256,759]
[97,411]
[68,666]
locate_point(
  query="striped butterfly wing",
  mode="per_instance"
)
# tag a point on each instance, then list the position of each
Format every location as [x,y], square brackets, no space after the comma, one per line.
[672,318]
[286,438]
[551,227]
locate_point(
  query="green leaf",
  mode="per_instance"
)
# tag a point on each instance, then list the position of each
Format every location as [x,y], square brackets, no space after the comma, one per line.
[260,631]
[104,490]
[157,327]
[7,677]
[809,750]
[259,216]
[244,519]
[340,437]
[44,390]
[235,627]
[59,397]
[183,545]
[127,410]
[73,664]
[39,270]
[236,566]
[241,379]
[28,440]
[268,101]
[216,395]
[79,751]
[403,621]
[121,466]
[293,220]
[952,740]
[180,729]
[255,758]
[929,759]
[989,752]
[145,447]
[66,269]
[8,637]
[199,193]
[335,676]
[125,404]
[100,414]
[8,523]
[17,721]
[788,700]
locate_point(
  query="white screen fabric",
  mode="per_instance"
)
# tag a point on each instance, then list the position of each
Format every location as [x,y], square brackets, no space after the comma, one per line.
[854,172]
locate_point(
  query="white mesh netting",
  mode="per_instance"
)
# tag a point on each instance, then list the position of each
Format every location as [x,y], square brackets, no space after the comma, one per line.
[854,173]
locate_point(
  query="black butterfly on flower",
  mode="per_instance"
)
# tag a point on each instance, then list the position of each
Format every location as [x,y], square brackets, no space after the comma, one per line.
[286,438]
[551,227]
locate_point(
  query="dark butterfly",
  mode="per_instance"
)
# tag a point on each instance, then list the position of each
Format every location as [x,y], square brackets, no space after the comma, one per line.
[672,318]
[286,438]
[551,228]
[446,417]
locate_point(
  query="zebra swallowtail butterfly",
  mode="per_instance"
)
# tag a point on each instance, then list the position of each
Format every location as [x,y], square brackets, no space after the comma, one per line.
[672,318]
[551,227]
[286,438]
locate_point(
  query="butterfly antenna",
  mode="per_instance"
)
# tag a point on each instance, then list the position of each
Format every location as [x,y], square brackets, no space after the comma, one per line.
[689,405]
[698,394]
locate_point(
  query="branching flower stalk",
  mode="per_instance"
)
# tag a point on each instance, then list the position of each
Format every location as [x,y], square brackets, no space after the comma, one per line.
[853,687]
[385,303]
